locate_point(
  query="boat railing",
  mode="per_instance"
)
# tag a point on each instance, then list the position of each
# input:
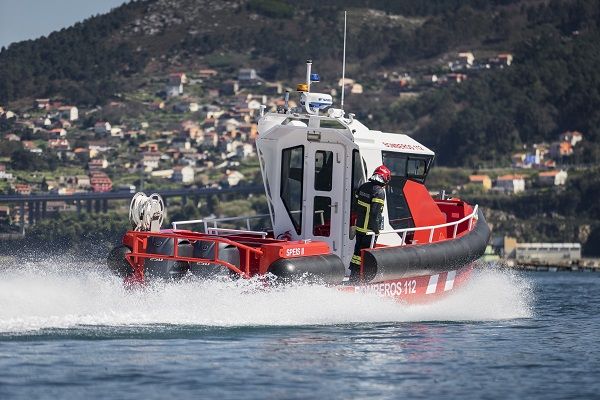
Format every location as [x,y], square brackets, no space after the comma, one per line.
[220,231]
[211,225]
[139,252]
[215,229]
[404,231]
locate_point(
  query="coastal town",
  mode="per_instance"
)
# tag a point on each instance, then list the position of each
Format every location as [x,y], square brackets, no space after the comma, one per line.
[197,129]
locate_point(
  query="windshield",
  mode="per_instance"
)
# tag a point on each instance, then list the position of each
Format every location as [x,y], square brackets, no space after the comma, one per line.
[398,211]
[403,167]
[410,166]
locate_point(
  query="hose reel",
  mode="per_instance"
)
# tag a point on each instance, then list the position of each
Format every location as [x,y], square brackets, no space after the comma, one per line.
[146,213]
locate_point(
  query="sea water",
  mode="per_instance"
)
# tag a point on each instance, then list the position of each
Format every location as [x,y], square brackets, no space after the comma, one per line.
[69,330]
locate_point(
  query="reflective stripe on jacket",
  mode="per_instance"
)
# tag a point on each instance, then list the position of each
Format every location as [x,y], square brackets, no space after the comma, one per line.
[370,198]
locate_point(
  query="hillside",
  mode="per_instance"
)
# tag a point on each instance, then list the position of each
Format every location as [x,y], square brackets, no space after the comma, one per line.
[82,63]
[550,89]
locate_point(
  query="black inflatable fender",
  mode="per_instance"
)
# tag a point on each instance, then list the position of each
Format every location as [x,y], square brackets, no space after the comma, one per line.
[117,263]
[206,249]
[157,267]
[327,268]
[386,263]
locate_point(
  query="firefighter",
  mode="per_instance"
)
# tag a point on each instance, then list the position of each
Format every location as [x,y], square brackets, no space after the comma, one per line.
[370,198]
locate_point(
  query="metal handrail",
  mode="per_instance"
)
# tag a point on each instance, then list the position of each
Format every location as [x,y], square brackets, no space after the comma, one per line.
[432,228]
[216,231]
[215,221]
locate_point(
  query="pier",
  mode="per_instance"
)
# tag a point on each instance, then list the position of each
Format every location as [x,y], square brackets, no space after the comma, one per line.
[583,265]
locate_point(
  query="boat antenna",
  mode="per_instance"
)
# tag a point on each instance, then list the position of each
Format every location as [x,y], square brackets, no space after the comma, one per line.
[344,64]
[308,71]
[286,106]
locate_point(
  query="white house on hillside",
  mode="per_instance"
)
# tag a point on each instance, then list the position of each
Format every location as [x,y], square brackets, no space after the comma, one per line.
[184,175]
[553,178]
[572,137]
[234,177]
[467,58]
[175,84]
[69,112]
[102,128]
[510,183]
[150,161]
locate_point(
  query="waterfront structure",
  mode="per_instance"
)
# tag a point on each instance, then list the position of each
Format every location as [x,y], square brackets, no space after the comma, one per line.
[548,253]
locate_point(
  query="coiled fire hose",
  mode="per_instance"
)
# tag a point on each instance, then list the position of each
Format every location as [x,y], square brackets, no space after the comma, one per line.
[146,213]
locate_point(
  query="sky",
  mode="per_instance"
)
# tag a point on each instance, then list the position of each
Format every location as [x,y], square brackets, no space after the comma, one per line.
[30,19]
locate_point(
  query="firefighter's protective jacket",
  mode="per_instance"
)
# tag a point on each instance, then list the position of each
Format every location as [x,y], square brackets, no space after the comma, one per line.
[370,198]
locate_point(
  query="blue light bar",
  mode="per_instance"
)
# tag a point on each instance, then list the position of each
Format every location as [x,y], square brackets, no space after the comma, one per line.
[315,78]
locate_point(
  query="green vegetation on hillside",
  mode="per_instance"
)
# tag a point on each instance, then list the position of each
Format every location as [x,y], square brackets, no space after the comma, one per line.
[271,8]
[550,88]
[85,63]
[78,62]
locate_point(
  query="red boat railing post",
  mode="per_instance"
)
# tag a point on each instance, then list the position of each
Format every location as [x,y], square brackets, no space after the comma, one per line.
[247,262]
[474,216]
[138,263]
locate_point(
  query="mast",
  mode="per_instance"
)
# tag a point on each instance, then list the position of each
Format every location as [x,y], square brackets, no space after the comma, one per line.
[344,64]
[308,70]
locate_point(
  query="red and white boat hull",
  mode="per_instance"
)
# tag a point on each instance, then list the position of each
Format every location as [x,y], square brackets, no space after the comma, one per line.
[418,288]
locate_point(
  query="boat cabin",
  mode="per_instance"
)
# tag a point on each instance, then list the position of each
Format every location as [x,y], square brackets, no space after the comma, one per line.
[313,160]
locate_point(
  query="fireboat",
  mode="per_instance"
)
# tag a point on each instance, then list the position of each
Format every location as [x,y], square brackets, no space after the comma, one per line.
[312,159]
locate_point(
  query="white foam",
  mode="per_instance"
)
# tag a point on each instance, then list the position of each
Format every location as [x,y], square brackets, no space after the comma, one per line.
[66,294]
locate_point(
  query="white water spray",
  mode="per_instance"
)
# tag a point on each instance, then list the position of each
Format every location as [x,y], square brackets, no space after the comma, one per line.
[67,294]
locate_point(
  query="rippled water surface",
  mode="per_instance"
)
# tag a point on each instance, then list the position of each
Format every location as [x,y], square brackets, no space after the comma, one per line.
[68,330]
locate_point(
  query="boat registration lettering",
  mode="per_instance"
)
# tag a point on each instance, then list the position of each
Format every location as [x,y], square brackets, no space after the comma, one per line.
[404,146]
[389,289]
[410,287]
[294,251]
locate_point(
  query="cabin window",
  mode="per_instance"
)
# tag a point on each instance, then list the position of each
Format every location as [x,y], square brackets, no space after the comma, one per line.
[292,177]
[410,166]
[416,167]
[322,216]
[358,170]
[331,123]
[358,178]
[287,121]
[323,170]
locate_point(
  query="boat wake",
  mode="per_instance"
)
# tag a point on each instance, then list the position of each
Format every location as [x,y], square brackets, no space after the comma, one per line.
[57,294]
